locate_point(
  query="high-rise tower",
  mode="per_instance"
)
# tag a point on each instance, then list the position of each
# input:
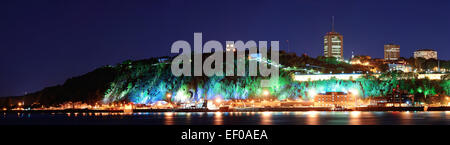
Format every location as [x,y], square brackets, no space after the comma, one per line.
[391,52]
[333,43]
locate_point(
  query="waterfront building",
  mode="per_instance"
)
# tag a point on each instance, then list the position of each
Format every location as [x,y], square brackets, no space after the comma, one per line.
[391,52]
[333,44]
[436,100]
[396,100]
[425,53]
[335,99]
[296,103]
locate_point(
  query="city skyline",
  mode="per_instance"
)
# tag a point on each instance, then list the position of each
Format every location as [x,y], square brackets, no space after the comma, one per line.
[68,39]
[224,71]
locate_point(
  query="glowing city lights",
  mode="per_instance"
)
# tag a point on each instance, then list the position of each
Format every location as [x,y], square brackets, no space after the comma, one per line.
[218,100]
[312,93]
[354,92]
[266,93]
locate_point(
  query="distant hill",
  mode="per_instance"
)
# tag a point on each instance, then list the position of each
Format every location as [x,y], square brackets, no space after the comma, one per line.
[86,88]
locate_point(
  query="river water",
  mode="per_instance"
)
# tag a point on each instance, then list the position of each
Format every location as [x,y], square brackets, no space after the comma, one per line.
[230,118]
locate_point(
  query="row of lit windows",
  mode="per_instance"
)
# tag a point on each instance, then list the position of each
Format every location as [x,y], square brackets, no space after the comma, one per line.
[336,43]
[345,99]
[336,50]
[332,98]
[342,102]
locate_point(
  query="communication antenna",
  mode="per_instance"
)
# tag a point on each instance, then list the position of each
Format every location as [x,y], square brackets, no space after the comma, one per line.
[332,23]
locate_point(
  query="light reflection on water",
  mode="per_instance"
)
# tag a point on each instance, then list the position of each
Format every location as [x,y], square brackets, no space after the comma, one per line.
[407,118]
[218,118]
[168,118]
[233,118]
[355,118]
[312,117]
[266,118]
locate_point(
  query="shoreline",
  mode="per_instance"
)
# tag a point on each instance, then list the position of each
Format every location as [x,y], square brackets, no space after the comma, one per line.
[328,109]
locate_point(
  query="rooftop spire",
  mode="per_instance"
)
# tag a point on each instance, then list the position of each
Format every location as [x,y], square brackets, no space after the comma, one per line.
[332,23]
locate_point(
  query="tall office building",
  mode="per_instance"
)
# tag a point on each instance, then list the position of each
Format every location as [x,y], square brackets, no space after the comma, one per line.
[333,43]
[391,52]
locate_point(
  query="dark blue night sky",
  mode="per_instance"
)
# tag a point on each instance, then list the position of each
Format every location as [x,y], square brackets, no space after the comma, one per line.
[45,42]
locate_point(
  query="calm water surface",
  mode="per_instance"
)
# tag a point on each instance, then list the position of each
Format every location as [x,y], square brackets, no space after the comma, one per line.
[229,118]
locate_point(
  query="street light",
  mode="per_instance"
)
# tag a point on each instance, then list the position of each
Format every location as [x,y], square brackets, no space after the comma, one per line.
[218,100]
[312,93]
[266,93]
[168,96]
[354,92]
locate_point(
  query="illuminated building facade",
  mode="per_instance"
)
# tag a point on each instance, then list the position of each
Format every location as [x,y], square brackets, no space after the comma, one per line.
[317,77]
[425,53]
[400,67]
[431,76]
[230,47]
[333,44]
[334,99]
[390,100]
[391,52]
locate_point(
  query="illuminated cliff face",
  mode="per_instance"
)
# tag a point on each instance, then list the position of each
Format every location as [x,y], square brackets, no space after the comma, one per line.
[150,83]
[146,85]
